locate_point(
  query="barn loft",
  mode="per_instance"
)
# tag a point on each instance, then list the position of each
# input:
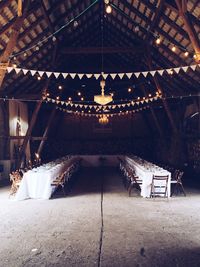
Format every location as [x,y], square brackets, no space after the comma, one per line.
[91,86]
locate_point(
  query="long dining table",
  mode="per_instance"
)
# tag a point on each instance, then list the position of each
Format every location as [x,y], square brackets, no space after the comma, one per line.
[36,183]
[145,171]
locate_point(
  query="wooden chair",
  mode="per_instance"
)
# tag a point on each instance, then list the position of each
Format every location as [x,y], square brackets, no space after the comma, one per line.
[136,182]
[60,182]
[177,181]
[159,186]
[15,178]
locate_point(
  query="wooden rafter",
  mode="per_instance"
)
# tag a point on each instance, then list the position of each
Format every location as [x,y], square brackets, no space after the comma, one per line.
[182,8]
[12,42]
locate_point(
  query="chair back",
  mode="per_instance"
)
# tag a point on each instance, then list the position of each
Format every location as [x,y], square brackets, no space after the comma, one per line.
[159,186]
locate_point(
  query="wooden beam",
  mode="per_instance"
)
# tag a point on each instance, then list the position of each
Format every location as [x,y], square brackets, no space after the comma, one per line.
[182,8]
[12,42]
[159,129]
[45,135]
[155,20]
[160,90]
[99,50]
[32,138]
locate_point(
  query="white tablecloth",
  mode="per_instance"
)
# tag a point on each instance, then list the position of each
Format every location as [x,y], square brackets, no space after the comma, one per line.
[36,183]
[145,171]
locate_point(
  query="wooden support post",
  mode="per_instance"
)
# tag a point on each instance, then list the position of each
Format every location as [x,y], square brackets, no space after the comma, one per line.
[153,113]
[182,8]
[28,133]
[160,90]
[45,135]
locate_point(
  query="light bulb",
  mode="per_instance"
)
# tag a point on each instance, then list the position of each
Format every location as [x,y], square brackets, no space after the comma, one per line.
[174,48]
[158,41]
[108,9]
[186,54]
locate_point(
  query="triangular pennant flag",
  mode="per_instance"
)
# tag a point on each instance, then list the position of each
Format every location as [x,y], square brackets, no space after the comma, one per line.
[9,69]
[41,73]
[56,74]
[105,75]
[80,106]
[73,75]
[33,72]
[24,71]
[161,72]
[142,101]
[17,70]
[113,75]
[62,102]
[144,73]
[96,75]
[123,105]
[177,70]
[121,75]
[146,100]
[64,74]
[153,72]
[129,75]
[193,67]
[89,75]
[53,100]
[184,68]
[137,74]
[48,73]
[80,75]
[57,102]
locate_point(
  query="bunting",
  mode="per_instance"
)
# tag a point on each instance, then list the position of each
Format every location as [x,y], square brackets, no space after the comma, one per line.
[120,75]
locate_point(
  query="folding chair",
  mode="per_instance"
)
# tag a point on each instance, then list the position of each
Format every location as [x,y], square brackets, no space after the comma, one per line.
[15,178]
[136,182]
[159,186]
[177,181]
[60,181]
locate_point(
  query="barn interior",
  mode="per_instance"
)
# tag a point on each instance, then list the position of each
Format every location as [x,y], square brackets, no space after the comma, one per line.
[100,86]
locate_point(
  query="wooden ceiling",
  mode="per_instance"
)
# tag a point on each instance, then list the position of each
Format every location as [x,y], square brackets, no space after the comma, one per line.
[127,36]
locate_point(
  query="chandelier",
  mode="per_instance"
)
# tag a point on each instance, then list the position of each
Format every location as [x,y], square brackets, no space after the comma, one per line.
[103,120]
[103,99]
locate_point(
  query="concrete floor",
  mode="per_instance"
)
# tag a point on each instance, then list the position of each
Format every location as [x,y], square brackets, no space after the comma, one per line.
[67,231]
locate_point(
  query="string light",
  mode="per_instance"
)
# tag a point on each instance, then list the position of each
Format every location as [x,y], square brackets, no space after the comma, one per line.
[171,72]
[69,98]
[82,98]
[39,78]
[129,90]
[60,87]
[158,40]
[79,93]
[108,9]
[186,54]
[14,65]
[174,48]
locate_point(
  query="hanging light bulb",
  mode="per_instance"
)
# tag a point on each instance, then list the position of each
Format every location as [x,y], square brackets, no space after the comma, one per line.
[54,39]
[174,48]
[108,9]
[129,90]
[158,40]
[186,54]
[60,87]
[39,78]
[79,93]
[82,98]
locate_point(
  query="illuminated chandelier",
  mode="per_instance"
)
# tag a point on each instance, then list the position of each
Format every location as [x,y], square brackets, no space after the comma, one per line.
[103,120]
[103,99]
